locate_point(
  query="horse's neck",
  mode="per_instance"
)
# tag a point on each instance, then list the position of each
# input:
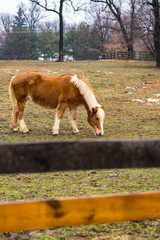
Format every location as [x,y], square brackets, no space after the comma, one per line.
[90,102]
[88,95]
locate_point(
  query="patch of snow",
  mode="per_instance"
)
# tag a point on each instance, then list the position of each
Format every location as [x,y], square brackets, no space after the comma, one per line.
[131,88]
[138,100]
[152,100]
[112,174]
[108,73]
[157,95]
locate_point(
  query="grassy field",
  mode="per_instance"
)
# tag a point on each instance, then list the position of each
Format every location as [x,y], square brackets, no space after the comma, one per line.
[129,90]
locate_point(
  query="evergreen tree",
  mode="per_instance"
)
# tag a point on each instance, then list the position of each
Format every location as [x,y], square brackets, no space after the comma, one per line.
[19,21]
[20,42]
[21,36]
[48,44]
[82,42]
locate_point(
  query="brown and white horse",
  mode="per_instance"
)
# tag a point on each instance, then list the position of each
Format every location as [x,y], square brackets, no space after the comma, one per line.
[60,92]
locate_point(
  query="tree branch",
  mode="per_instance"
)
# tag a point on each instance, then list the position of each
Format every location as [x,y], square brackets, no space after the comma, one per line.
[44,6]
[98,1]
[78,8]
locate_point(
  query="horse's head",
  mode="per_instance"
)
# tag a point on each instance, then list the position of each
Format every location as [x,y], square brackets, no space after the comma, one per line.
[96,119]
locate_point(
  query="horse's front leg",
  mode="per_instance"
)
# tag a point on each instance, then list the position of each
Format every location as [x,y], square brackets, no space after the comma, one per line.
[58,117]
[72,120]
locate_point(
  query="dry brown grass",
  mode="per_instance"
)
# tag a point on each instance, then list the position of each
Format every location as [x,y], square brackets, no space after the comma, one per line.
[110,81]
[124,120]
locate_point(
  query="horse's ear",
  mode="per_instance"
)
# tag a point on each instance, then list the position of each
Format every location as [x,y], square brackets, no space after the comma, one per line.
[94,110]
[102,107]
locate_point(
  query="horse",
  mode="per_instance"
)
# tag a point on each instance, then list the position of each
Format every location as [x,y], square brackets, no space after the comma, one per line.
[55,92]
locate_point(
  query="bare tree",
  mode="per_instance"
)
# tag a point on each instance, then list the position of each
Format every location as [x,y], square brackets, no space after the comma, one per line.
[5,22]
[155,7]
[145,26]
[101,26]
[33,15]
[57,8]
[149,26]
[5,26]
[126,24]
[59,11]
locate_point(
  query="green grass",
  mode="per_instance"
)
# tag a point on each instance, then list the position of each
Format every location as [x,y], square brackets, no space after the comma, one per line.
[124,120]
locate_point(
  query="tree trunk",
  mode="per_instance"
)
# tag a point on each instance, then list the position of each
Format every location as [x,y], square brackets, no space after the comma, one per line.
[129,41]
[132,28]
[61,32]
[155,5]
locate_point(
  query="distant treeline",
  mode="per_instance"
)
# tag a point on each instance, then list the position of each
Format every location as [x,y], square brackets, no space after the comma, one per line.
[25,36]
[109,28]
[23,43]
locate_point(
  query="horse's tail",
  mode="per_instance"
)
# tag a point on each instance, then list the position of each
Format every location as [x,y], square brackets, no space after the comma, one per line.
[12,95]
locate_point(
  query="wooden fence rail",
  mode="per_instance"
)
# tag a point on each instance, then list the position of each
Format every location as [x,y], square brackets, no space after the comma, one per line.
[80,155]
[60,156]
[134,55]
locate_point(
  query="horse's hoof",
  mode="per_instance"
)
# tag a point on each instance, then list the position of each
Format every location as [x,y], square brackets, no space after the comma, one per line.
[76,133]
[26,131]
[14,130]
[55,133]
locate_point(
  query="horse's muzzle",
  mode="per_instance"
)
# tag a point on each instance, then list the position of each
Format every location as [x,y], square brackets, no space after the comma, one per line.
[98,134]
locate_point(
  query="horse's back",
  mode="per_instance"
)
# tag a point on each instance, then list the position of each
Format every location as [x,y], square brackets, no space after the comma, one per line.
[46,91]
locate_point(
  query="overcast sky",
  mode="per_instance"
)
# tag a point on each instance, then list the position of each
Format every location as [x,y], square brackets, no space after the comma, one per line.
[10,6]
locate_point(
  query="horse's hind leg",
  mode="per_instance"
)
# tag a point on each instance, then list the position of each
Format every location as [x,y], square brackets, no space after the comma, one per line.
[22,126]
[13,122]
[72,119]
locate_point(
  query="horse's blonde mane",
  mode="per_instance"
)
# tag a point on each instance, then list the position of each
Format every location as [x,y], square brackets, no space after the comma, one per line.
[86,91]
